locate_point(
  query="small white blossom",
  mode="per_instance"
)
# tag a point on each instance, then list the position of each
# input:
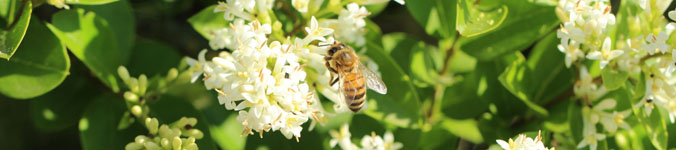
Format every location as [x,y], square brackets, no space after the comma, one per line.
[572,51]
[586,88]
[342,138]
[605,55]
[300,5]
[522,142]
[656,43]
[349,25]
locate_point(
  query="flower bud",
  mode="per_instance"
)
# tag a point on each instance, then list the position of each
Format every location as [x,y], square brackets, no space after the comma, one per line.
[173,73]
[136,110]
[143,84]
[124,74]
[133,85]
[191,146]
[131,97]
[151,146]
[176,142]
[133,146]
[141,139]
[165,143]
[194,133]
[151,124]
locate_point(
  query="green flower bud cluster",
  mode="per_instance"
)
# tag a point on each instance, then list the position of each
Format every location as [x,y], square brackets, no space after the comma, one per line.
[179,135]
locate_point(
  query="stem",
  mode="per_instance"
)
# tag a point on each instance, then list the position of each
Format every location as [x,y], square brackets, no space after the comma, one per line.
[449,54]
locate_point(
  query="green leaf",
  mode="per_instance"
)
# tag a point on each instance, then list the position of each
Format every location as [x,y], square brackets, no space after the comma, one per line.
[466,129]
[525,24]
[426,62]
[119,16]
[516,79]
[476,17]
[436,16]
[145,54]
[574,115]
[91,2]
[169,109]
[63,106]
[228,134]
[541,78]
[11,37]
[98,125]
[91,40]
[438,138]
[399,46]
[206,21]
[613,78]
[40,65]
[399,107]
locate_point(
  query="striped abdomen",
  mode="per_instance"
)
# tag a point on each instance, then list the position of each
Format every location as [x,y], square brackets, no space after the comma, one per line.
[354,90]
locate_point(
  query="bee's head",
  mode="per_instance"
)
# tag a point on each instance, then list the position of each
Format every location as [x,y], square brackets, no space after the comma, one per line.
[335,47]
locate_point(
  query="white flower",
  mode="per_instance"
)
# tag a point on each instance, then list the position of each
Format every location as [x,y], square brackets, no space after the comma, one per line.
[611,121]
[672,64]
[342,138]
[523,142]
[389,142]
[586,88]
[300,5]
[372,142]
[349,25]
[569,31]
[605,55]
[591,140]
[236,8]
[656,43]
[572,51]
[597,113]
[315,32]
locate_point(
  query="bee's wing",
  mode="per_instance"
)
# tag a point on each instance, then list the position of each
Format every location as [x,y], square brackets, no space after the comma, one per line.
[373,81]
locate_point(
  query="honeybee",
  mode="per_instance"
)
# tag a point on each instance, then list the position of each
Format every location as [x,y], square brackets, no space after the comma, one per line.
[343,64]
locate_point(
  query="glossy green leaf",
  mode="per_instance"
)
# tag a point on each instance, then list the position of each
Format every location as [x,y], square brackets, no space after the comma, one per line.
[11,36]
[40,65]
[91,2]
[206,21]
[399,46]
[120,19]
[98,125]
[91,40]
[549,70]
[472,94]
[466,129]
[514,34]
[438,138]
[144,58]
[63,106]
[613,78]
[228,134]
[399,106]
[426,62]
[438,17]
[170,108]
[517,79]
[475,17]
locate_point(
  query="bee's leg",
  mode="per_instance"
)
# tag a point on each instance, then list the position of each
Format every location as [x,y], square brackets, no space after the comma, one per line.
[334,81]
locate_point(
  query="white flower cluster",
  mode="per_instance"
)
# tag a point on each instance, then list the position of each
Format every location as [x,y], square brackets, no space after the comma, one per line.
[372,142]
[587,24]
[646,49]
[522,142]
[180,135]
[350,24]
[270,82]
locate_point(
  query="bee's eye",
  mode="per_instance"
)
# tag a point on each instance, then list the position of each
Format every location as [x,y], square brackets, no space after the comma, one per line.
[333,50]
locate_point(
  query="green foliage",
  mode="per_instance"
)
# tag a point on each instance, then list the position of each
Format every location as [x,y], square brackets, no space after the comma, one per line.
[40,65]
[91,39]
[14,29]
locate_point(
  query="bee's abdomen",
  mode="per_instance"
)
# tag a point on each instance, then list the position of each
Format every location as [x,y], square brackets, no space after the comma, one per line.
[354,90]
